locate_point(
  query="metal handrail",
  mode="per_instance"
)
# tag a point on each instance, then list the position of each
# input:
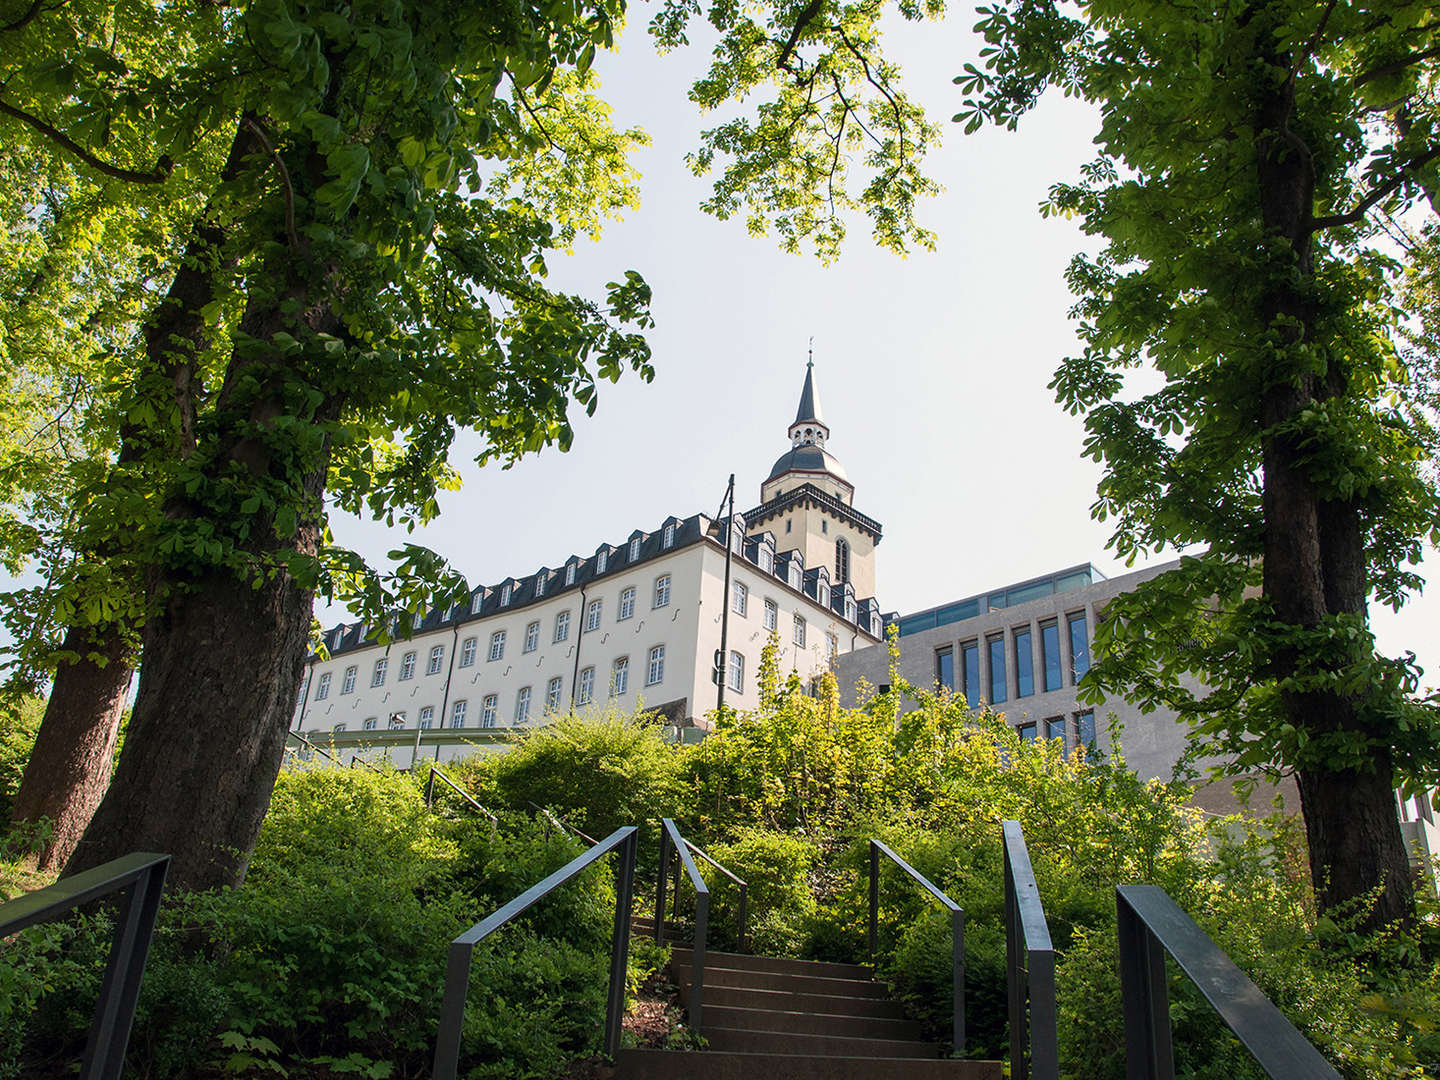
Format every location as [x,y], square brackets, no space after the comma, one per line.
[743,905]
[357,759]
[312,746]
[1029,966]
[560,823]
[430,794]
[1150,925]
[457,969]
[140,877]
[957,930]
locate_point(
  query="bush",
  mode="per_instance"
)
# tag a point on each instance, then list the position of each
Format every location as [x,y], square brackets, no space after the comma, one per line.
[776,869]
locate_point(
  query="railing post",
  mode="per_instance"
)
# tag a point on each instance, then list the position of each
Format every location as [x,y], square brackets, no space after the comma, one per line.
[874,900]
[957,941]
[1014,978]
[742,919]
[620,948]
[697,959]
[660,881]
[452,1011]
[430,790]
[120,989]
[1148,1052]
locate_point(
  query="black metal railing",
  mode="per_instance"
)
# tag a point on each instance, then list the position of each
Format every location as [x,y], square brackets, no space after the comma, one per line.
[742,903]
[560,823]
[457,970]
[140,879]
[1029,966]
[436,774]
[957,930]
[1150,925]
[356,759]
[670,839]
[317,749]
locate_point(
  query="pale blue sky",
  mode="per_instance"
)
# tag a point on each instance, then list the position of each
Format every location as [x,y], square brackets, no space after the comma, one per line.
[932,370]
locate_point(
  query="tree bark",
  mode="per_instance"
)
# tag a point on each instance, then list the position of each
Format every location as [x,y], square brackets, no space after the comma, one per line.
[74,750]
[1314,559]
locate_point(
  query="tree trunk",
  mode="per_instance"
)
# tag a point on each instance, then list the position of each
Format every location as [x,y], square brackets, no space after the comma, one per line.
[74,750]
[1314,558]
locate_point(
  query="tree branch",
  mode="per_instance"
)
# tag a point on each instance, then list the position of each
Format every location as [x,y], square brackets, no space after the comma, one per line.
[23,20]
[158,175]
[1395,66]
[294,240]
[806,16]
[1386,189]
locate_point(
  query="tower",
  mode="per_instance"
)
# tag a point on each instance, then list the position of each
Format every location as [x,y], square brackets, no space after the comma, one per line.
[806,503]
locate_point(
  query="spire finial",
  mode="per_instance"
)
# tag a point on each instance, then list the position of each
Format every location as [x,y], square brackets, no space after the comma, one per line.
[810,362]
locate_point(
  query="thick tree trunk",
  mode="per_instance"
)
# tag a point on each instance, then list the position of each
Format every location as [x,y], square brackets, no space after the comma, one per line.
[74,750]
[207,735]
[1314,559]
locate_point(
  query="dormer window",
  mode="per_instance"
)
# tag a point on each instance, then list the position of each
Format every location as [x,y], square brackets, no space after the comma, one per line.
[667,540]
[539,584]
[850,611]
[823,591]
[505,594]
[601,558]
[634,549]
[419,619]
[476,601]
[570,574]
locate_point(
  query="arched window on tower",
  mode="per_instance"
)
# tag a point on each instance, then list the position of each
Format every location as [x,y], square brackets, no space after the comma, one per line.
[842,561]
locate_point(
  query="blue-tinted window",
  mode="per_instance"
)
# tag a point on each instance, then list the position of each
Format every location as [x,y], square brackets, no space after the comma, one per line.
[1026,593]
[945,667]
[970,662]
[997,670]
[1079,647]
[1055,728]
[1024,665]
[1027,732]
[1085,721]
[1050,655]
[1077,580]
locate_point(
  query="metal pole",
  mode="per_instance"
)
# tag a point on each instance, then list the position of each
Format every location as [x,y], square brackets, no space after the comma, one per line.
[742,917]
[620,948]
[697,959]
[957,938]
[1148,1054]
[874,899]
[1015,986]
[660,888]
[725,601]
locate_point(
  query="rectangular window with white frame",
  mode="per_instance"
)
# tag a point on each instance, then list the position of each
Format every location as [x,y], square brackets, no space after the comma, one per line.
[347,684]
[562,626]
[497,645]
[737,671]
[602,559]
[570,574]
[522,705]
[377,676]
[322,691]
[487,710]
[620,676]
[772,614]
[627,604]
[798,631]
[338,727]
[437,660]
[667,538]
[505,595]
[457,714]
[739,598]
[427,717]
[662,591]
[477,601]
[587,687]
[397,721]
[592,615]
[532,636]
[539,584]
[552,694]
[655,670]
[369,724]
[467,651]
[832,646]
[407,666]
[635,549]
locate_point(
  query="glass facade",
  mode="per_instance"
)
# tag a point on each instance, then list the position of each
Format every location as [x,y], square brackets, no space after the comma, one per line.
[1050,655]
[1022,593]
[998,692]
[970,664]
[945,667]
[1024,664]
[1079,646]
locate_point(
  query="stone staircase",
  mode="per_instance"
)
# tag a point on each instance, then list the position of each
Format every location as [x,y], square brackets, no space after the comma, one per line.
[766,1018]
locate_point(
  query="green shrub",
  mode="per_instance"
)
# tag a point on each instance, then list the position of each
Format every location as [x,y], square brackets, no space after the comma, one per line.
[776,869]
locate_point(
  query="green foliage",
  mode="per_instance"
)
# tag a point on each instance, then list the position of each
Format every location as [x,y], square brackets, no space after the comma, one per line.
[776,868]
[19,721]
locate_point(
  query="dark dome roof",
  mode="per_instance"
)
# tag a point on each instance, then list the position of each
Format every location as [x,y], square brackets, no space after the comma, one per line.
[808,459]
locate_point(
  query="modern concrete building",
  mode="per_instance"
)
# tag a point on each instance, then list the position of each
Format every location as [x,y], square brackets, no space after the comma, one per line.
[638,621]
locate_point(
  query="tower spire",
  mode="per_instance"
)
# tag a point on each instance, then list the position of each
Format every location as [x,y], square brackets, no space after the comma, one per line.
[809,410]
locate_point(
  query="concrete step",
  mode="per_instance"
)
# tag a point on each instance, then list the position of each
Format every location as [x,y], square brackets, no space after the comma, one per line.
[730,1065]
[742,997]
[808,1023]
[746,962]
[776,980]
[787,1042]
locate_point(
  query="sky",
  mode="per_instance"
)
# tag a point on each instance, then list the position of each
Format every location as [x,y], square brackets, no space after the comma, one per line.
[931,369]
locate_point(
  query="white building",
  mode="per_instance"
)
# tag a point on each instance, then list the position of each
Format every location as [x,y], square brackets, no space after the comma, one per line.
[635,622]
